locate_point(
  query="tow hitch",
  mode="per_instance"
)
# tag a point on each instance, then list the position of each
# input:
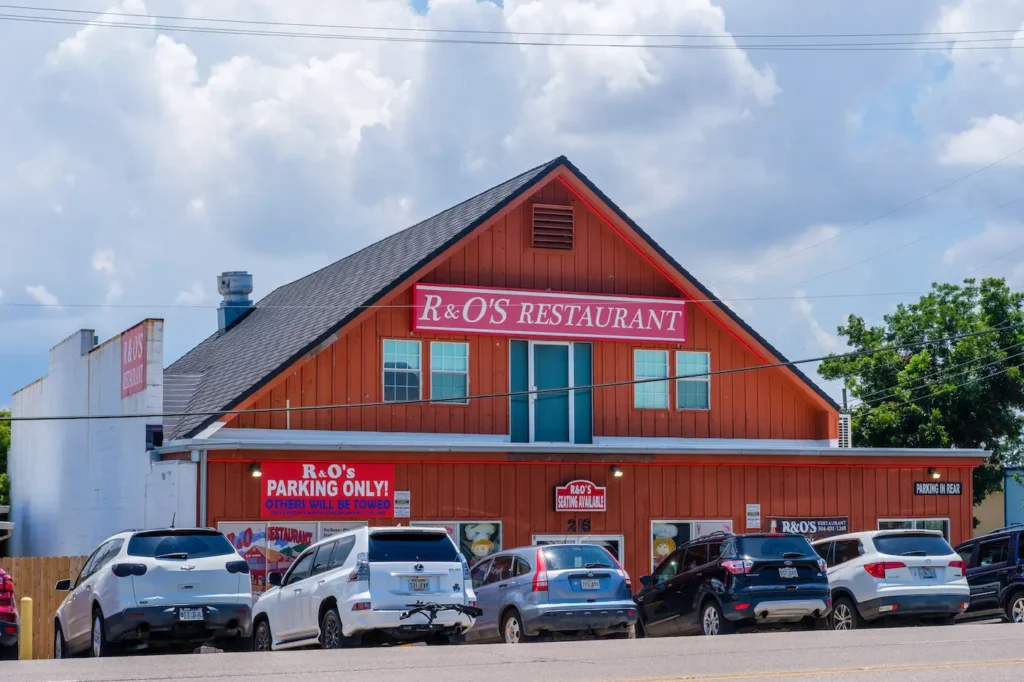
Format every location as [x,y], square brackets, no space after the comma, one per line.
[432,609]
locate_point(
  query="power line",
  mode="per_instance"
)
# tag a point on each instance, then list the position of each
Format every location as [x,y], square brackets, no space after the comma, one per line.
[510,394]
[886,214]
[910,389]
[897,248]
[1008,253]
[408,306]
[414,29]
[808,47]
[493,31]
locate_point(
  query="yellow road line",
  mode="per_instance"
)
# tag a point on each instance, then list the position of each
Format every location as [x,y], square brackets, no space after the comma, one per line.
[771,674]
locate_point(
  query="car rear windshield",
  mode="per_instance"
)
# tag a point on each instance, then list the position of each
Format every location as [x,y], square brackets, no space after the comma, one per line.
[412,547]
[913,545]
[564,557]
[775,547]
[179,545]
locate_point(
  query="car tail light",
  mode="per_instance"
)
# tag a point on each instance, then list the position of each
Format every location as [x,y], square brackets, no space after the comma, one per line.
[738,566]
[362,606]
[240,566]
[741,607]
[10,630]
[362,570]
[959,565]
[622,571]
[125,570]
[540,578]
[822,566]
[888,608]
[6,594]
[879,568]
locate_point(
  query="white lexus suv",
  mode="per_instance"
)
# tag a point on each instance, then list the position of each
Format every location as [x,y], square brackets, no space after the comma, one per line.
[180,587]
[383,584]
[893,573]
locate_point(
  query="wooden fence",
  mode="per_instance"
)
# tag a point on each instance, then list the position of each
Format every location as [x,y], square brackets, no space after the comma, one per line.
[35,577]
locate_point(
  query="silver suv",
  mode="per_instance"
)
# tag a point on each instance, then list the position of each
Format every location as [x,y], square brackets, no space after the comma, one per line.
[531,591]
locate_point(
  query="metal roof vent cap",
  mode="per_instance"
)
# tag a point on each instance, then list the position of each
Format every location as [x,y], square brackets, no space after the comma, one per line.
[235,286]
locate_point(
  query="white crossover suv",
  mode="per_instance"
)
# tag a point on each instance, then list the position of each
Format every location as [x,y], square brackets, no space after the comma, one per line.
[386,584]
[893,573]
[180,587]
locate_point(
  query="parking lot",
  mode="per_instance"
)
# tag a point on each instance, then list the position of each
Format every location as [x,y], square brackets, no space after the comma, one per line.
[919,653]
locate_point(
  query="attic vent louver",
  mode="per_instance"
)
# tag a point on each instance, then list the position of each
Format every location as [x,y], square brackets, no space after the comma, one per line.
[552,226]
[845,439]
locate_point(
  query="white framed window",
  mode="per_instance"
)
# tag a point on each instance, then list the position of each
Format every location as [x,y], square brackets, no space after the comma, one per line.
[693,393]
[449,372]
[669,534]
[402,365]
[650,364]
[477,540]
[915,524]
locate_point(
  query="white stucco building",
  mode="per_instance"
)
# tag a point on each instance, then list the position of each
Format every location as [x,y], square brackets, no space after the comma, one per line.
[75,482]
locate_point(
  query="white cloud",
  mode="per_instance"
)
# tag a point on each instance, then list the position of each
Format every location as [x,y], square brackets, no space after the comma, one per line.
[992,252]
[827,341]
[103,261]
[783,258]
[986,140]
[194,296]
[41,295]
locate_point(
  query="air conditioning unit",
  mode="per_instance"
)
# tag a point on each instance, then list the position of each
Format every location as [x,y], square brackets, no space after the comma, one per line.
[845,438]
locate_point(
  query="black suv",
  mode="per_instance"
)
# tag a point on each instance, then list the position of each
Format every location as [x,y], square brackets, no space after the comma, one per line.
[714,583]
[995,572]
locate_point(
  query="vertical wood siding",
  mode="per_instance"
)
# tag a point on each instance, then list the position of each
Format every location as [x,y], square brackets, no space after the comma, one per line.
[756,404]
[521,496]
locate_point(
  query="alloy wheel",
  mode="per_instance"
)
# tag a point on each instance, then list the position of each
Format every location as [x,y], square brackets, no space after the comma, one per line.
[512,631]
[711,621]
[97,636]
[1017,610]
[332,633]
[58,646]
[263,638]
[842,618]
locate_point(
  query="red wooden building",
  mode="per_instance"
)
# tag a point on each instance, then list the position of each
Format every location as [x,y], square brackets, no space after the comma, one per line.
[458,372]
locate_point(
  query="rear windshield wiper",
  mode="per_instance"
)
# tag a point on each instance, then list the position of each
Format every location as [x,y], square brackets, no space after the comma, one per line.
[597,566]
[916,552]
[173,555]
[792,555]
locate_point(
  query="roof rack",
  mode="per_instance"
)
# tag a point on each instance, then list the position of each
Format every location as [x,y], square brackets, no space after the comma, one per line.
[716,534]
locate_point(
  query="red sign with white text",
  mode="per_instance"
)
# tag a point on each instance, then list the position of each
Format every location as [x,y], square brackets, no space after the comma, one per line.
[477,310]
[581,495]
[133,360]
[326,490]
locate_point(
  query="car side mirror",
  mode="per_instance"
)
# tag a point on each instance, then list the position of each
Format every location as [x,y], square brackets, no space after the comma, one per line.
[274,579]
[645,580]
[63,585]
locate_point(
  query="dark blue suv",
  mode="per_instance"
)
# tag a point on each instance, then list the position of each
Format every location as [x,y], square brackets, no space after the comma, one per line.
[995,573]
[717,582]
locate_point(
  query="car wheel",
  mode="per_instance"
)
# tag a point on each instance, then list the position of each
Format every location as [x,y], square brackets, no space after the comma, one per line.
[512,631]
[330,630]
[712,622]
[60,647]
[99,646]
[844,615]
[262,640]
[1015,608]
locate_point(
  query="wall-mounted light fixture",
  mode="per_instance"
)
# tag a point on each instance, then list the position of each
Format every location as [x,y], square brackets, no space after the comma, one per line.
[934,473]
[255,470]
[617,471]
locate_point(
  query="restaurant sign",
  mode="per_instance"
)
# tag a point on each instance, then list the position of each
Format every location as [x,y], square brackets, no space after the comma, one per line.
[547,314]
[133,360]
[327,490]
[813,527]
[579,495]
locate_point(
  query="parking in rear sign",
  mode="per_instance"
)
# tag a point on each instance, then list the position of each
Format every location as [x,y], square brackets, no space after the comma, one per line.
[938,488]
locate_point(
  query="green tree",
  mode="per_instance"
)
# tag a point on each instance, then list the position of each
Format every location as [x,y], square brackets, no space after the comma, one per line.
[5,446]
[965,394]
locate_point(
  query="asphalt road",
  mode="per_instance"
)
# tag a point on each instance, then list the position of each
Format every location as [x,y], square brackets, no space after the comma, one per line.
[992,653]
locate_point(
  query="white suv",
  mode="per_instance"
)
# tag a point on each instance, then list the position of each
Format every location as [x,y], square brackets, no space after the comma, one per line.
[177,586]
[889,573]
[383,584]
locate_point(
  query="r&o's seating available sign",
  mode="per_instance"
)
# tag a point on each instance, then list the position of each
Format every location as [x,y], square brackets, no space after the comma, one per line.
[581,496]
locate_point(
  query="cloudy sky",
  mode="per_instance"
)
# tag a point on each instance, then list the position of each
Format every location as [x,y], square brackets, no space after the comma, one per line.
[136,165]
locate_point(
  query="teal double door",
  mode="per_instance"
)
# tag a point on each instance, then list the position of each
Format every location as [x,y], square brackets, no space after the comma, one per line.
[558,412]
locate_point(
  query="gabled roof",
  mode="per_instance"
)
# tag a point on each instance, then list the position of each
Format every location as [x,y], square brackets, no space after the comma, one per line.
[297,317]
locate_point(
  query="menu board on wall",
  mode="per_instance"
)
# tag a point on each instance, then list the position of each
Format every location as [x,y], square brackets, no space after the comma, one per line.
[250,540]
[286,541]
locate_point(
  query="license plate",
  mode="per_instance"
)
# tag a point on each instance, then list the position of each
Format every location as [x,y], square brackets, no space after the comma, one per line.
[419,585]
[190,614]
[788,572]
[591,584]
[925,573]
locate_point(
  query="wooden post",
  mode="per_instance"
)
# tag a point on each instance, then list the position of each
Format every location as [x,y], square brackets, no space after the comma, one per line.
[25,636]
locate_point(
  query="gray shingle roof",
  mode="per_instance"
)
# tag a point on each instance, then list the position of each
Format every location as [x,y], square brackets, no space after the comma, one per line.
[274,336]
[295,318]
